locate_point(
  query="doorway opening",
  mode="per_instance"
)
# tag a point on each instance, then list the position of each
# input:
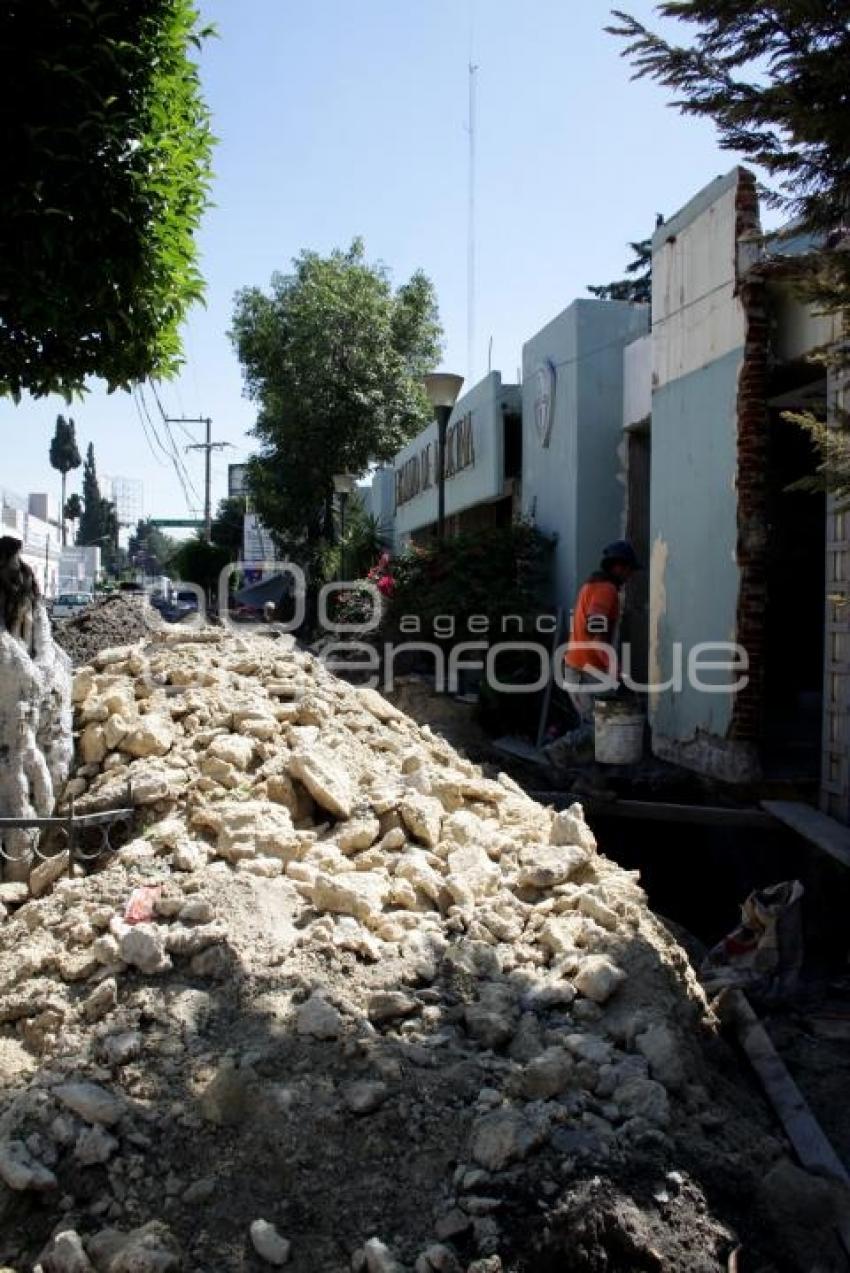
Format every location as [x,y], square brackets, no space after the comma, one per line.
[795,583]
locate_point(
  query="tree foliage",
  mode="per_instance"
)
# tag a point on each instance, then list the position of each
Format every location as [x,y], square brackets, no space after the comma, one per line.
[106,152]
[772,76]
[99,521]
[64,452]
[196,561]
[334,358]
[228,525]
[73,508]
[638,285]
[149,549]
[64,456]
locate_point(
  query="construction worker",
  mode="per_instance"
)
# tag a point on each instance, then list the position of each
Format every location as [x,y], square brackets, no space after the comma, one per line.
[590,657]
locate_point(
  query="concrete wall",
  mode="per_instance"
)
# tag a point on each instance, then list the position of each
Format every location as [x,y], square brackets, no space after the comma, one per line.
[486,404]
[698,338]
[572,410]
[637,381]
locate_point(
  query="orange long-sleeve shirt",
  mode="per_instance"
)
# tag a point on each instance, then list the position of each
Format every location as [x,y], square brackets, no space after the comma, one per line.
[594,624]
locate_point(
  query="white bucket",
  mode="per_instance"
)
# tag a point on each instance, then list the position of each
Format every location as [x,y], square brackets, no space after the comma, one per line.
[618,735]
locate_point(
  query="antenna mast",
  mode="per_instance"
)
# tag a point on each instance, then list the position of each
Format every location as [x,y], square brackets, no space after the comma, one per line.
[470,250]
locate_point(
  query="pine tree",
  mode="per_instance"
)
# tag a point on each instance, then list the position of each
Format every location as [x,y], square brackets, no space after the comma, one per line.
[91,528]
[772,75]
[638,286]
[64,456]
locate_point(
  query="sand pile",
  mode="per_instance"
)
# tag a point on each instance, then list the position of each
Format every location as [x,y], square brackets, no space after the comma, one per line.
[345,1003]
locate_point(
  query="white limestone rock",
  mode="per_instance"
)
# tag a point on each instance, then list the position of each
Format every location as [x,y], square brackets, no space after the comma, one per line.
[598,977]
[20,1170]
[326,778]
[544,866]
[143,946]
[502,1137]
[234,749]
[423,816]
[151,736]
[94,1145]
[569,827]
[268,1244]
[360,894]
[472,868]
[65,1253]
[91,1101]
[318,1018]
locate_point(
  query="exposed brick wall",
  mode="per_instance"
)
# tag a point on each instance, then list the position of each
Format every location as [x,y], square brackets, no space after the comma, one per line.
[751,482]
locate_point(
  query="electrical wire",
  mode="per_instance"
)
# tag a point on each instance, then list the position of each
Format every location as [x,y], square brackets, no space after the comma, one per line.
[151,447]
[172,453]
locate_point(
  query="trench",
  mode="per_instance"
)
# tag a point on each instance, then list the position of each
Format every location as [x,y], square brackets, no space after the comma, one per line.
[698,876]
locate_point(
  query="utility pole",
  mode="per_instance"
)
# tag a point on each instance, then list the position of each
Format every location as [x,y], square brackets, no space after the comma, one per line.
[207,447]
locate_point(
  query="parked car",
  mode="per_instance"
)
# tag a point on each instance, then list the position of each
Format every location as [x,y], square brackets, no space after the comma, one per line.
[67,604]
[182,604]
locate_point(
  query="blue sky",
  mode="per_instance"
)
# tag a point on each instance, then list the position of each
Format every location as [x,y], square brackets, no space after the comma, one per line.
[339,118]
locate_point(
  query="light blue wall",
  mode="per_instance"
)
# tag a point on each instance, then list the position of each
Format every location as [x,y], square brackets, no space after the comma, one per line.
[586,344]
[694,532]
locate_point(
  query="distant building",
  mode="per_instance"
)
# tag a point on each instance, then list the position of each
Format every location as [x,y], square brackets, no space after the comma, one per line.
[483,463]
[41,538]
[572,393]
[127,494]
[236,480]
[79,568]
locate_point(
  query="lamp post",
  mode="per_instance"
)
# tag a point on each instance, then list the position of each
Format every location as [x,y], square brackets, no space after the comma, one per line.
[442,388]
[344,484]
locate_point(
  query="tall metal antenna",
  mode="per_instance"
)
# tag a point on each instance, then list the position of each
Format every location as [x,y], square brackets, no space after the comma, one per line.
[470,248]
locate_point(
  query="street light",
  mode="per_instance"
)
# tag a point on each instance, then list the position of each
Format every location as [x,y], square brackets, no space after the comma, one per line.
[344,484]
[442,388]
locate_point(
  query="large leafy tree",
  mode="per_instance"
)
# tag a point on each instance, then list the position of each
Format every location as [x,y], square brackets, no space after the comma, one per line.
[106,148]
[150,549]
[334,358]
[64,456]
[196,561]
[228,526]
[772,76]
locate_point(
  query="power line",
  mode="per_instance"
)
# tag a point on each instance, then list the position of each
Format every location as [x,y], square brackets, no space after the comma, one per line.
[151,448]
[173,454]
[208,446]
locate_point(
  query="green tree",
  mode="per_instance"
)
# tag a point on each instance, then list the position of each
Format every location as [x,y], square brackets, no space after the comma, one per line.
[637,287]
[106,153]
[229,524]
[334,358]
[149,549]
[64,456]
[196,561]
[99,520]
[772,76]
[73,508]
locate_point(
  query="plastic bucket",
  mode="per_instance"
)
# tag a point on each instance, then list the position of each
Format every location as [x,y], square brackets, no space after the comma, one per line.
[618,735]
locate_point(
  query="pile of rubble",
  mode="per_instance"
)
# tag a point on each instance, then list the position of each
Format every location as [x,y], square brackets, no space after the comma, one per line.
[345,1003]
[110,620]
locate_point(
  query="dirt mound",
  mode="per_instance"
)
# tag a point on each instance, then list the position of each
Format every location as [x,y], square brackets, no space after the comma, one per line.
[111,620]
[345,1003]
